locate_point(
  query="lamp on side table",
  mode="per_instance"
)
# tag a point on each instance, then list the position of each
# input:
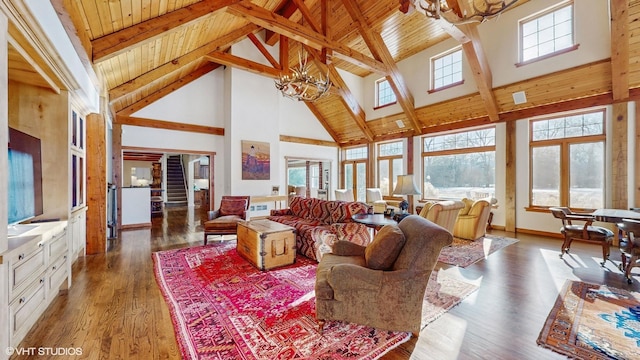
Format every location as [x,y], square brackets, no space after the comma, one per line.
[405,186]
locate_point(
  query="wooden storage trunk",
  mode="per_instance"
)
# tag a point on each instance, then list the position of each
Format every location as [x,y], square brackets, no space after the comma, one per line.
[266,244]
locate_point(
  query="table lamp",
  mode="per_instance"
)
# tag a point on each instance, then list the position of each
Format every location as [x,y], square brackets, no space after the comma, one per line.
[405,186]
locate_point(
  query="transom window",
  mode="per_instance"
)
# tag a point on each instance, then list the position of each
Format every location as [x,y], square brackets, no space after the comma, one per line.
[384,93]
[390,165]
[568,161]
[458,165]
[447,70]
[548,33]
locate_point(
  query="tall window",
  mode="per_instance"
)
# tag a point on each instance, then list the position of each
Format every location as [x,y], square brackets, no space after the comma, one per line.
[447,70]
[384,93]
[355,172]
[567,161]
[390,165]
[460,164]
[548,33]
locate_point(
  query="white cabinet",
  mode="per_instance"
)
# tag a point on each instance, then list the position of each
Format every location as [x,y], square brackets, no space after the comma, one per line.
[35,267]
[78,233]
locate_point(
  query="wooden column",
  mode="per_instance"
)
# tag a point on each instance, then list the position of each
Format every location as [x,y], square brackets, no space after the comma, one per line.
[96,185]
[619,181]
[116,161]
[510,177]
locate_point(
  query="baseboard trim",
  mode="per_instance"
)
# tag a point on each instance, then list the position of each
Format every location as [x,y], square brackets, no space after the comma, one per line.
[135,226]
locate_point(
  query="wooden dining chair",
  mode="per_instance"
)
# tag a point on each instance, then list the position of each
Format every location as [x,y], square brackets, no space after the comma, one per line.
[585,232]
[629,246]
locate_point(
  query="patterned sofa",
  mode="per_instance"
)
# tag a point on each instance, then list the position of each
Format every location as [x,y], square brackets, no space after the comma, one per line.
[320,223]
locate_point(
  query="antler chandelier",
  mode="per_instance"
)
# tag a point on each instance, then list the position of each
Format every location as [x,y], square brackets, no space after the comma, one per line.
[438,9]
[302,86]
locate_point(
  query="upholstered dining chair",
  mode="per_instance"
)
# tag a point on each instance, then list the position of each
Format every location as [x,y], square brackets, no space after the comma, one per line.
[586,232]
[224,221]
[629,246]
[383,284]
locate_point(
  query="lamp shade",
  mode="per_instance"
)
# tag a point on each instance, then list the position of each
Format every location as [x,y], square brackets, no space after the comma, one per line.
[406,186]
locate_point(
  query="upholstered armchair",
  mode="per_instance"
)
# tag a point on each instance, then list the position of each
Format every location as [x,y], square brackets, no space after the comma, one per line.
[224,221]
[381,285]
[344,194]
[374,199]
[471,223]
[443,213]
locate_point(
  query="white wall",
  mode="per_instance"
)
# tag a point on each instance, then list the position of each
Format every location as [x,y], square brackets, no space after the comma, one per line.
[199,102]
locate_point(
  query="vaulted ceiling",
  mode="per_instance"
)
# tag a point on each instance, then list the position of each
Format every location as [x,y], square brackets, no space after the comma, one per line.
[145,49]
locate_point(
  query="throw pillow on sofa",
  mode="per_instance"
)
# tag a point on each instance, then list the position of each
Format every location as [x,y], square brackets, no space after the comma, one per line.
[385,248]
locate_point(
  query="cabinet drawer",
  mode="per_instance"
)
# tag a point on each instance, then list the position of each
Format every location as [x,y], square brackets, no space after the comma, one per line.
[23,267]
[58,272]
[58,245]
[25,309]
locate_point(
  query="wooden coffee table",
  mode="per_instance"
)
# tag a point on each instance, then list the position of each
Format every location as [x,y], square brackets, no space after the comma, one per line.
[266,244]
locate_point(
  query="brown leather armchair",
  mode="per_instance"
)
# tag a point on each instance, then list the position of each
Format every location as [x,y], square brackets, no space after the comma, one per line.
[351,287]
[224,221]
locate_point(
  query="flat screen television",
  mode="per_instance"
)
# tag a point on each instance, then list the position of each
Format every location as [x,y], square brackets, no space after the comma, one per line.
[25,177]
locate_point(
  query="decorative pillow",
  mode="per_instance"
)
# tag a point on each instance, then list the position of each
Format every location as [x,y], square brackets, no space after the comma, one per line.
[467,206]
[233,207]
[385,248]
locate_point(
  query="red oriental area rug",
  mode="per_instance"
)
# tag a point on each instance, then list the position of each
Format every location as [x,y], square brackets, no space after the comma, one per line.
[590,321]
[463,253]
[224,308]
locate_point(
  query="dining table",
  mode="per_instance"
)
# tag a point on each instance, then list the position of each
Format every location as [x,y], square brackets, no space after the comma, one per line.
[615,216]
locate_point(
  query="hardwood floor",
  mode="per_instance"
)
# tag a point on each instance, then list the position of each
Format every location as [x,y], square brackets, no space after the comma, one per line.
[114,310]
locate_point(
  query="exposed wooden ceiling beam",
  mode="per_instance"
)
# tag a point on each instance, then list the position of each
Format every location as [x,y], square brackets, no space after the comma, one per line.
[346,96]
[306,14]
[168,125]
[220,44]
[620,49]
[301,140]
[286,9]
[481,72]
[302,34]
[380,51]
[205,69]
[244,64]
[263,50]
[118,42]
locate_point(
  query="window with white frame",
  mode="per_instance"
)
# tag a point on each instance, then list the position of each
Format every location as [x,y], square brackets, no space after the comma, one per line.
[548,33]
[567,163]
[460,164]
[354,168]
[384,93]
[390,165]
[447,69]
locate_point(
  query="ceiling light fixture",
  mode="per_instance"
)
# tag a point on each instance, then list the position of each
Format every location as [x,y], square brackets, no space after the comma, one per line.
[300,85]
[440,9]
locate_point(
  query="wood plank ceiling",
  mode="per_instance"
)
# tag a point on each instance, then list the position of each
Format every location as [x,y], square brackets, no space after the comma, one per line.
[145,49]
